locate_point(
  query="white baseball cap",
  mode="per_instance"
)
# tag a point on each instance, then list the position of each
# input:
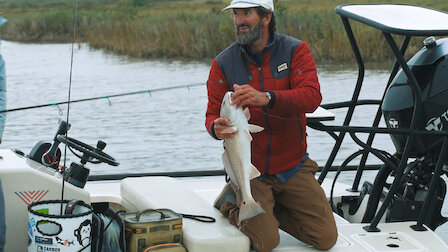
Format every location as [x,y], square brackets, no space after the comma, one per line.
[235,4]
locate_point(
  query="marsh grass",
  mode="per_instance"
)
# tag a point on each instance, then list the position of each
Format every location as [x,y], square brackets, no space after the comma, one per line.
[195,29]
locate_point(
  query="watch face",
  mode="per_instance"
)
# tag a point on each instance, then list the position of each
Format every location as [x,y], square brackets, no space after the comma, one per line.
[268,95]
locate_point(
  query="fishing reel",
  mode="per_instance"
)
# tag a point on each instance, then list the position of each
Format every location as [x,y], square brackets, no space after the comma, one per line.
[49,155]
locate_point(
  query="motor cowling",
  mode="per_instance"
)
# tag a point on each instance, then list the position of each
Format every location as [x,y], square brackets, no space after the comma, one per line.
[430,68]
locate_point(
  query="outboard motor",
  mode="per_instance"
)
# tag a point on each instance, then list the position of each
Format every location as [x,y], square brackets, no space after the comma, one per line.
[430,68]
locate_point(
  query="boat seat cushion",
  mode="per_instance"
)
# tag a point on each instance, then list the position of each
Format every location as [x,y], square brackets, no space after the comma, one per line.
[166,192]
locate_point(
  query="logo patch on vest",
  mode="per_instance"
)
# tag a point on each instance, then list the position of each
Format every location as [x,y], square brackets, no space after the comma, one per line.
[282,67]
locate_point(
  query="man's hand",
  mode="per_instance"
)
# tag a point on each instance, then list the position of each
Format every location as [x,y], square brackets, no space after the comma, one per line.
[222,129]
[247,95]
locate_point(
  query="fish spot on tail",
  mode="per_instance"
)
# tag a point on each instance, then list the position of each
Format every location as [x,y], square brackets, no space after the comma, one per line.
[249,209]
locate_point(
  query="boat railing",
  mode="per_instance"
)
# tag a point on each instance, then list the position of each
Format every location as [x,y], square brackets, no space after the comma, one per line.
[430,23]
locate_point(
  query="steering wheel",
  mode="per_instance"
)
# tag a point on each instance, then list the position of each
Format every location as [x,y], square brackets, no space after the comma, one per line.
[87,150]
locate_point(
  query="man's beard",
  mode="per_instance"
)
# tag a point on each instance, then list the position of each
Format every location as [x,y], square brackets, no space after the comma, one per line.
[253,35]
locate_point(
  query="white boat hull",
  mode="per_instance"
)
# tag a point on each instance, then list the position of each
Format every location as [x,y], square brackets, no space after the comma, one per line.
[188,196]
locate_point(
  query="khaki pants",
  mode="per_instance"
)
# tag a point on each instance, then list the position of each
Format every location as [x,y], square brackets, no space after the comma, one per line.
[298,207]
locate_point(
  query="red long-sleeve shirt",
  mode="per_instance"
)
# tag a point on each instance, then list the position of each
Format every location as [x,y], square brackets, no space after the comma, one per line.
[286,69]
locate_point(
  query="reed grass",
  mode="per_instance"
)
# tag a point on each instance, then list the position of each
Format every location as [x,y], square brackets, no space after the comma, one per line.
[195,29]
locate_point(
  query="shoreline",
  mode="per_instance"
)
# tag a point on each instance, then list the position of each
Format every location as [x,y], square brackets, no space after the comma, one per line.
[190,30]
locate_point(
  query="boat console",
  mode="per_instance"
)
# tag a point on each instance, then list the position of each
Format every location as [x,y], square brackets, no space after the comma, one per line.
[38,176]
[25,181]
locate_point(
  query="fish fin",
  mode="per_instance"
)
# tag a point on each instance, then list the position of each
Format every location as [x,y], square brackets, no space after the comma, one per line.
[249,209]
[255,128]
[230,130]
[247,113]
[248,135]
[228,168]
[254,172]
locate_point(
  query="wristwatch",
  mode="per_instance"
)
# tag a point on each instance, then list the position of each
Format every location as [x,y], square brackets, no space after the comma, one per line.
[268,95]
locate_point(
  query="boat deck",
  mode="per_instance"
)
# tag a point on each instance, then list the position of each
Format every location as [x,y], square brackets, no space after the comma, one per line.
[196,196]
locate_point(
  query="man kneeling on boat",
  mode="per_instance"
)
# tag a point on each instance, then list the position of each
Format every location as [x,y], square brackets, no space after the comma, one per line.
[273,75]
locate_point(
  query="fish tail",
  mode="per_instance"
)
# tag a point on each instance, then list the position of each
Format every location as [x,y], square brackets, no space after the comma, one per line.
[249,209]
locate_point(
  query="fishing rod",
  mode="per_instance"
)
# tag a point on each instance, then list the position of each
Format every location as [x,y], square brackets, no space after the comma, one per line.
[149,91]
[69,102]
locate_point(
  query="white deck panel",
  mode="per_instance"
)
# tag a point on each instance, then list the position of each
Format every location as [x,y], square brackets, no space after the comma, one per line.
[196,196]
[104,191]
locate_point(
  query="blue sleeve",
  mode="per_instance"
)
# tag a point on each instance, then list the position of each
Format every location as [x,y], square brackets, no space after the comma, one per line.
[2,74]
[2,95]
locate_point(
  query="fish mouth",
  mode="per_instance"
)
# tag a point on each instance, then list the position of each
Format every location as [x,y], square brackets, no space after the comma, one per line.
[229,97]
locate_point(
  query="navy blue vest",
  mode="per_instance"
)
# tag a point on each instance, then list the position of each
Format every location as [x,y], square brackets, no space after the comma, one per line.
[235,64]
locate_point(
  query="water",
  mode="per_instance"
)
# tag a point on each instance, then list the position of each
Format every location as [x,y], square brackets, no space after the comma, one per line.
[162,131]
[159,131]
